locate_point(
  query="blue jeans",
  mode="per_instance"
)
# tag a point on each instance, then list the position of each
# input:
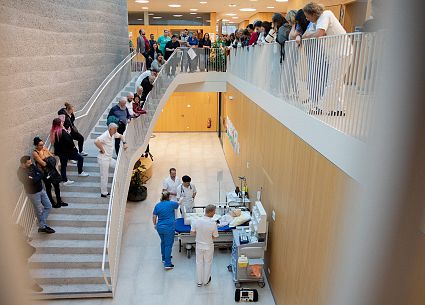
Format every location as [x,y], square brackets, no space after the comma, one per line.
[167,241]
[42,206]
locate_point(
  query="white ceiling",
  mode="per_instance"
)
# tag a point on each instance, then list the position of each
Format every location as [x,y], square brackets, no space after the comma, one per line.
[221,7]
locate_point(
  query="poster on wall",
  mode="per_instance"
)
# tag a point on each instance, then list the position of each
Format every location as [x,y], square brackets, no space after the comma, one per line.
[232,135]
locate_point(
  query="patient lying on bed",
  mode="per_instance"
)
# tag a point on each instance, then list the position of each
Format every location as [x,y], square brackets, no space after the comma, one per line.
[234,218]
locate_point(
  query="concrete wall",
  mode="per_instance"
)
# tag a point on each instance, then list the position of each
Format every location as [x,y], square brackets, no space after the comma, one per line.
[53,51]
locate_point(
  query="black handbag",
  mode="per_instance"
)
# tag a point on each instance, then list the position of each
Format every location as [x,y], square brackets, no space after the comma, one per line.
[50,172]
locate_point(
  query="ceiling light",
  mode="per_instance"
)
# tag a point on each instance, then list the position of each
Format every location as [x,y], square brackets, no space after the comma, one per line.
[174,5]
[145,8]
[157,17]
[151,14]
[270,7]
[231,14]
[281,0]
[199,17]
[232,5]
[253,0]
[225,20]
[203,2]
[193,9]
[208,20]
[235,17]
[193,13]
[247,9]
[139,19]
[142,1]
[177,15]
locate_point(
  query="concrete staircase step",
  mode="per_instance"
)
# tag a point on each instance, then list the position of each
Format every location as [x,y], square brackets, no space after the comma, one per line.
[78,197]
[83,186]
[95,134]
[58,276]
[87,166]
[73,291]
[82,209]
[49,261]
[56,246]
[70,220]
[74,233]
[94,176]
[101,128]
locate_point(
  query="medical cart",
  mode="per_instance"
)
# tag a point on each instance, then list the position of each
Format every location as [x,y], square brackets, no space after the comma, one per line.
[249,245]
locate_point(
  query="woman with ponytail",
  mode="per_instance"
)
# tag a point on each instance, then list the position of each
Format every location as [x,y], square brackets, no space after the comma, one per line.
[68,111]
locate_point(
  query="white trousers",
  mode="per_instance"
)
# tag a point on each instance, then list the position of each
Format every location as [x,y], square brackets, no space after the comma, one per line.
[204,260]
[104,165]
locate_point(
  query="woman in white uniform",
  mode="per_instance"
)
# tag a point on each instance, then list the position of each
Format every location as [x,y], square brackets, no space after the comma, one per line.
[186,193]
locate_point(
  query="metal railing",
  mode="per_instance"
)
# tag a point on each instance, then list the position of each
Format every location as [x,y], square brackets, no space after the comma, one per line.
[137,135]
[23,214]
[332,78]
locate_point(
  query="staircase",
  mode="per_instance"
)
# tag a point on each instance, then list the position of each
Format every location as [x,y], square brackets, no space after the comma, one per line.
[67,264]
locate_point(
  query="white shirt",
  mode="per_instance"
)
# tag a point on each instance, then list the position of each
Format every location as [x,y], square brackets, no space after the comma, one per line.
[328,22]
[171,186]
[186,193]
[108,143]
[130,108]
[205,229]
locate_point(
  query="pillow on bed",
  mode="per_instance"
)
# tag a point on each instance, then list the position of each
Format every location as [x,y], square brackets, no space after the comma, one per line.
[237,221]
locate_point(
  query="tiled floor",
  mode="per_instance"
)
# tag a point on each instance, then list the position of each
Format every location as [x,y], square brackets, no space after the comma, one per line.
[142,280]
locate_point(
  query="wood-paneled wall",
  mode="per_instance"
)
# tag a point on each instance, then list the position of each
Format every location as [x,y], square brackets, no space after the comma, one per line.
[305,190]
[263,16]
[177,116]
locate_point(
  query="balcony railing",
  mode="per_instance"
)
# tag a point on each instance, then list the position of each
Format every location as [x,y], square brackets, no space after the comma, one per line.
[331,78]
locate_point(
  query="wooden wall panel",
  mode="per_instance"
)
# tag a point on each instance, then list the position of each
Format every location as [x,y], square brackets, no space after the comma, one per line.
[305,190]
[263,16]
[177,116]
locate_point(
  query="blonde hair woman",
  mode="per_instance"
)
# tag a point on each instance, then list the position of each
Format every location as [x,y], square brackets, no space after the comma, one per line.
[290,17]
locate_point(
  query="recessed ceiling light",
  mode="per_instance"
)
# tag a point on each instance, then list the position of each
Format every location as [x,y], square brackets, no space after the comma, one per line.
[139,19]
[145,8]
[157,17]
[151,14]
[177,15]
[203,2]
[225,20]
[193,9]
[174,5]
[270,7]
[231,14]
[235,17]
[208,20]
[142,1]
[248,9]
[199,17]
[193,13]
[253,0]
[281,0]
[232,5]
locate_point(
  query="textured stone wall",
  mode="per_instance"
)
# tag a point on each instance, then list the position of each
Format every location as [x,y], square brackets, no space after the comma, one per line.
[53,51]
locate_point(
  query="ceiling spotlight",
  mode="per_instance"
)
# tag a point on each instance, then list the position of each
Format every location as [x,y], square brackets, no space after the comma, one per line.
[177,15]
[193,9]
[157,17]
[193,13]
[203,2]
[151,14]
[281,0]
[248,9]
[199,17]
[139,19]
[231,14]
[142,1]
[232,5]
[174,5]
[270,7]
[235,17]
[145,8]
[225,20]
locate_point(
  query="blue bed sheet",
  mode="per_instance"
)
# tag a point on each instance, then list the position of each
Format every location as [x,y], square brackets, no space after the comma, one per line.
[182,228]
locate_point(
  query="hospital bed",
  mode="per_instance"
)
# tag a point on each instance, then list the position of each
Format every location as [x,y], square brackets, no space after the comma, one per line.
[182,231]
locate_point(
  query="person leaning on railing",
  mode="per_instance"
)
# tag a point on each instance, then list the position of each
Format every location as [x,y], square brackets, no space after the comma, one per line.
[170,47]
[120,116]
[158,63]
[282,28]
[204,43]
[46,162]
[30,176]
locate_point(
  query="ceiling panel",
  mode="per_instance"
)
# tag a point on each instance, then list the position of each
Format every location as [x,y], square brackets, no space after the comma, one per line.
[221,7]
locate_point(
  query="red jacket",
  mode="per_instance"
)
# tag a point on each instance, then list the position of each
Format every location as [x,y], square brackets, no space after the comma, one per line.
[253,39]
[147,44]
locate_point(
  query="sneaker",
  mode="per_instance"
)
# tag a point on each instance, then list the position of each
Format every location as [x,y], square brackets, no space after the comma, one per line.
[105,196]
[64,204]
[72,161]
[84,154]
[56,206]
[199,285]
[163,261]
[169,267]
[209,281]
[83,174]
[69,182]
[46,229]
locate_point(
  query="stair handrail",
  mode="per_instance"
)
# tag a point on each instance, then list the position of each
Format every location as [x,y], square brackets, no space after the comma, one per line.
[25,216]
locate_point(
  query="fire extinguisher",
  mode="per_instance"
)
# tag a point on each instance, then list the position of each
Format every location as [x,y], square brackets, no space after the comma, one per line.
[209,123]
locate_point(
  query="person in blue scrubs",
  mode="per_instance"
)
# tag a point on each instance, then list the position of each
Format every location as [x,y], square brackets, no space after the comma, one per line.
[163,219]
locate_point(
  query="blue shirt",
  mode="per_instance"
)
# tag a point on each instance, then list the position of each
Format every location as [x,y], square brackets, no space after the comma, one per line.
[193,41]
[166,215]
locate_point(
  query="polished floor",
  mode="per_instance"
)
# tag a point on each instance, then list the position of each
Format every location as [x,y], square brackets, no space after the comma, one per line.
[142,279]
